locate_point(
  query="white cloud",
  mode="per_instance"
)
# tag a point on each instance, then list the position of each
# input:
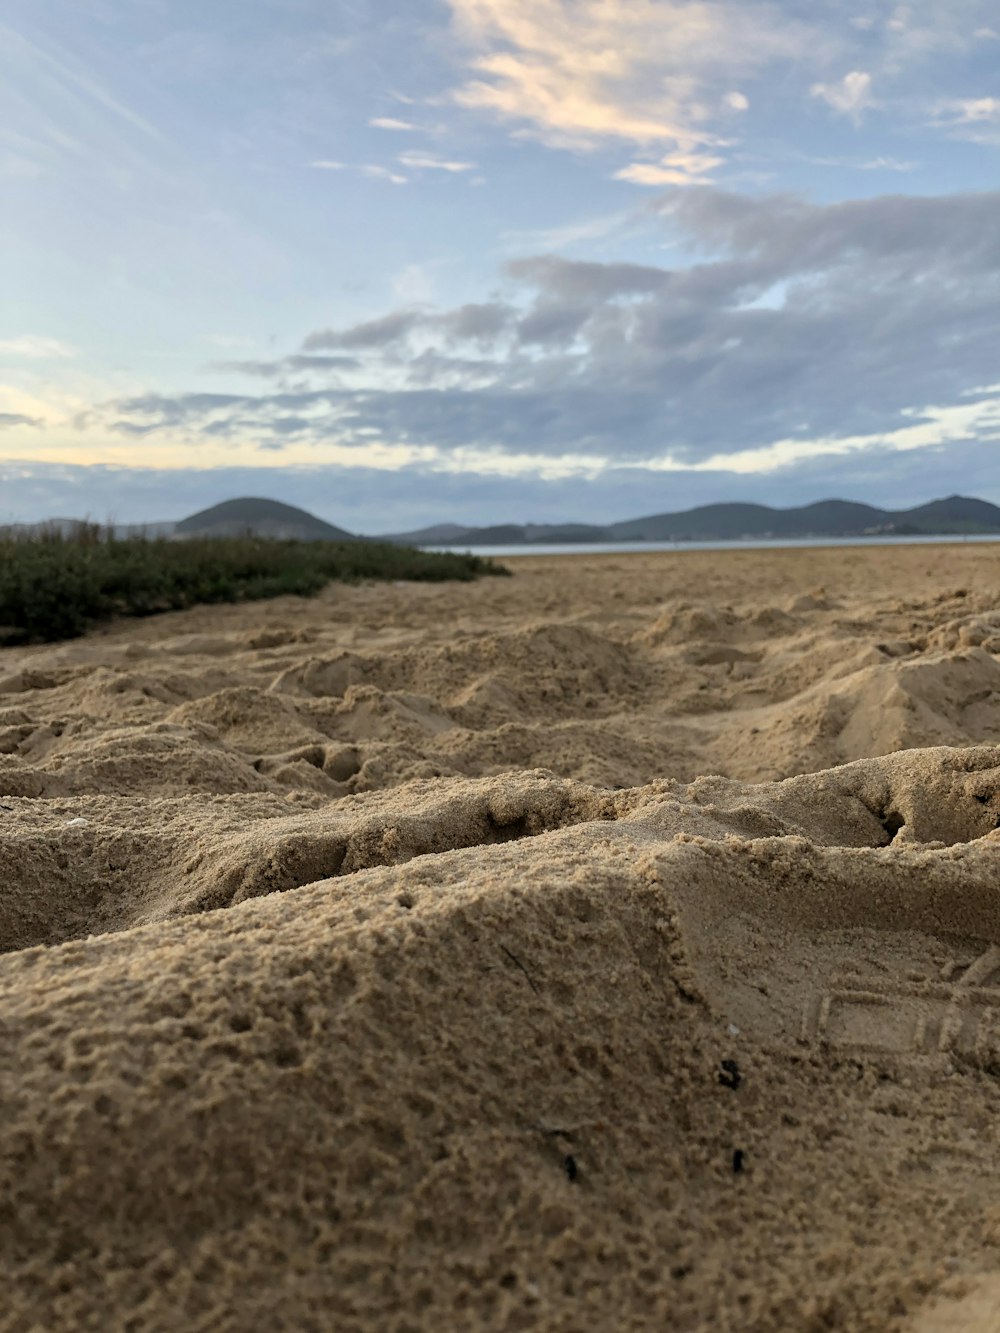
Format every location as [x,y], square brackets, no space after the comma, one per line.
[973,119]
[852,96]
[36,347]
[860,164]
[391,123]
[431,162]
[579,74]
[933,426]
[887,164]
[974,110]
[672,169]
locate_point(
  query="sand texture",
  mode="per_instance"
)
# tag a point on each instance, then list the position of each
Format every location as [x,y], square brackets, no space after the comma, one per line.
[614,947]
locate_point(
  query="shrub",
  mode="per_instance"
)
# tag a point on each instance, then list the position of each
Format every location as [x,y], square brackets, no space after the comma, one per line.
[55,586]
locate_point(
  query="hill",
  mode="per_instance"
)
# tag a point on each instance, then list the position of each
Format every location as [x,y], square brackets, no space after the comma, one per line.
[734,522]
[725,522]
[260,518]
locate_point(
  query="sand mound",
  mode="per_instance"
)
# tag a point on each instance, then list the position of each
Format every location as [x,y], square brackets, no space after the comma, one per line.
[333,998]
[488,1086]
[889,703]
[765,675]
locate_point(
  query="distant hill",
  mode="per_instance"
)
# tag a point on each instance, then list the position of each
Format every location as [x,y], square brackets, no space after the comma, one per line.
[957,515]
[724,522]
[262,518]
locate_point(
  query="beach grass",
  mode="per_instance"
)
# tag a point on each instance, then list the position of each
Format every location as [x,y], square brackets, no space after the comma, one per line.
[55,585]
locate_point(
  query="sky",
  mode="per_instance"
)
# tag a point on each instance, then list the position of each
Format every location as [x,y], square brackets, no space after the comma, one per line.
[404,262]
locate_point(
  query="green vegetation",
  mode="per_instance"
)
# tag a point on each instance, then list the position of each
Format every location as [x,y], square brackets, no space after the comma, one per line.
[56,587]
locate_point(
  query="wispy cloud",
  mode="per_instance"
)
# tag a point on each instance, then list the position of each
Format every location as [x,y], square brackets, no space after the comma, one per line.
[671,169]
[391,123]
[570,233]
[417,161]
[887,164]
[371,169]
[72,77]
[412,160]
[975,110]
[60,111]
[974,119]
[35,347]
[380,173]
[861,163]
[295,364]
[582,75]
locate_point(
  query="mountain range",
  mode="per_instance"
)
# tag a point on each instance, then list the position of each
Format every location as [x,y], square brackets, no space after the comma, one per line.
[957,515]
[730,522]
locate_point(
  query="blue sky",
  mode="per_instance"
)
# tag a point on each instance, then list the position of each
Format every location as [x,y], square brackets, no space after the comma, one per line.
[480,260]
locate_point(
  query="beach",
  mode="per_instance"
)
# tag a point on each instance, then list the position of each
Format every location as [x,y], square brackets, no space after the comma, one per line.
[612,946]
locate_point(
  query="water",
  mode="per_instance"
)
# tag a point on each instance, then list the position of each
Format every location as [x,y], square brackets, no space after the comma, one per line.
[742,544]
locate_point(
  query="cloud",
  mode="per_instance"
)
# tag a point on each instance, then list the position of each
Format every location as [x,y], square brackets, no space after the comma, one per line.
[373,333]
[852,96]
[372,500]
[296,364]
[483,322]
[35,347]
[75,85]
[570,233]
[417,161]
[887,164]
[671,169]
[383,173]
[798,331]
[61,117]
[737,101]
[586,74]
[391,123]
[11,419]
[373,170]
[925,30]
[974,110]
[972,119]
[859,164]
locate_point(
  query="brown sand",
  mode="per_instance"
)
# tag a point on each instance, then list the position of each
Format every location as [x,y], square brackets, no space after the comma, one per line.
[450,1056]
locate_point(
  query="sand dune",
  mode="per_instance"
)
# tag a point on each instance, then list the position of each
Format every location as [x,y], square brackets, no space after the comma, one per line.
[615,946]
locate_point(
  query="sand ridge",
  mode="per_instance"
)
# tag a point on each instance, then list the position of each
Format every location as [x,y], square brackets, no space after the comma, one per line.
[561,953]
[610,673]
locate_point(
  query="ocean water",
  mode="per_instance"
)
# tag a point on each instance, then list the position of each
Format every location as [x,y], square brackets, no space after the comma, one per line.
[747,544]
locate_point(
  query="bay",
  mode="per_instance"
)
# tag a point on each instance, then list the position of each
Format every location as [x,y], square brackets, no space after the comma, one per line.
[740,544]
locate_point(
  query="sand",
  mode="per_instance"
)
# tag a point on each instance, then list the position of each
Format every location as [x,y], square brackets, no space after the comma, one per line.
[616,946]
